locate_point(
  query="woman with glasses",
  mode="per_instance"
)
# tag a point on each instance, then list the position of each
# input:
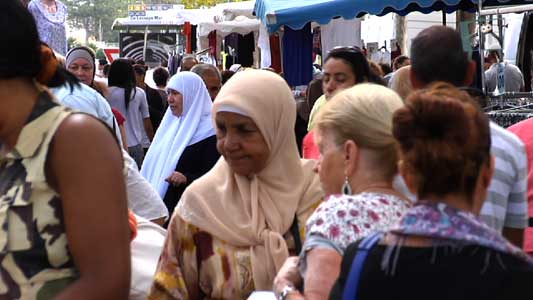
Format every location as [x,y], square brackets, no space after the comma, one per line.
[343,68]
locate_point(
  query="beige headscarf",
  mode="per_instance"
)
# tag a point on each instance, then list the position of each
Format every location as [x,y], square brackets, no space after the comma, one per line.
[256,212]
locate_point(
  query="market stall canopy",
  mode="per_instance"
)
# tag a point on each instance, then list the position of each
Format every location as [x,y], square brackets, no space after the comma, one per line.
[297,13]
[128,24]
[197,16]
[241,25]
[232,10]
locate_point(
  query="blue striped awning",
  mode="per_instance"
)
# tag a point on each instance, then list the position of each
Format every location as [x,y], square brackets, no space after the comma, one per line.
[297,13]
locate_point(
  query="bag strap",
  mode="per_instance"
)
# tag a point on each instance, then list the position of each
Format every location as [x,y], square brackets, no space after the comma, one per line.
[295,231]
[350,289]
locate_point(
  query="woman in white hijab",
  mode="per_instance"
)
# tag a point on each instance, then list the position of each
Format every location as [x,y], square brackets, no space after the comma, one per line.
[232,229]
[184,146]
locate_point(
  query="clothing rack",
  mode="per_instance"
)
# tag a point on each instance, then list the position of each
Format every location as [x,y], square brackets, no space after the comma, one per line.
[509,100]
[510,108]
[506,119]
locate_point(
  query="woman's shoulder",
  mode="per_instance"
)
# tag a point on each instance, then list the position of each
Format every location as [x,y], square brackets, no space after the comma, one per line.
[140,92]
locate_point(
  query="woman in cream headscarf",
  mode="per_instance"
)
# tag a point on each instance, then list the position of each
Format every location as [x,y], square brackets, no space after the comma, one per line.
[229,234]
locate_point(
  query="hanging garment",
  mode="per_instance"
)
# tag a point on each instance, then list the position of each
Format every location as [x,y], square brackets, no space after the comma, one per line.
[213,43]
[231,44]
[298,55]
[194,46]
[245,50]
[275,53]
[340,32]
[264,44]
[187,31]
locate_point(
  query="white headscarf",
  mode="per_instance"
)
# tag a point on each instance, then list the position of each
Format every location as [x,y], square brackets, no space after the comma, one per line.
[176,133]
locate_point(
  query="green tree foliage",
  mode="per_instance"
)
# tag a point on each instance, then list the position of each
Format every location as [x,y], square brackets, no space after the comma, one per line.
[72,42]
[96,16]
[206,3]
[100,54]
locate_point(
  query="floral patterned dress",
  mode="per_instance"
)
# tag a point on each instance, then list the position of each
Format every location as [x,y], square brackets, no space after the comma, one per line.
[51,26]
[196,265]
[343,219]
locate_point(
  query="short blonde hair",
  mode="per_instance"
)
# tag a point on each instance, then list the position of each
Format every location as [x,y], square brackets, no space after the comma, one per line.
[364,114]
[401,82]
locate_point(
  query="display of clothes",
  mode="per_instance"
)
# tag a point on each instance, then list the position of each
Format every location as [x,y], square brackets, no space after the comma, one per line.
[174,62]
[189,31]
[298,55]
[507,119]
[240,49]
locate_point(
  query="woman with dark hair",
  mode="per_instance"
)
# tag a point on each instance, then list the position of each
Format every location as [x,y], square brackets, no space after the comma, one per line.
[131,102]
[155,102]
[343,68]
[62,238]
[440,249]
[80,62]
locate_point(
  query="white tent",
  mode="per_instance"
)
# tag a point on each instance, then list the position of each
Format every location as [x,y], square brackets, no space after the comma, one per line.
[234,9]
[241,25]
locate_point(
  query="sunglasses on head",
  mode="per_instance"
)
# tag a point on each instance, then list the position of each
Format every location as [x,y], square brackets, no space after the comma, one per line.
[346,49]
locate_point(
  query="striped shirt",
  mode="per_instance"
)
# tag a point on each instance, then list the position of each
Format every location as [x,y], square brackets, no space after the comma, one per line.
[506,203]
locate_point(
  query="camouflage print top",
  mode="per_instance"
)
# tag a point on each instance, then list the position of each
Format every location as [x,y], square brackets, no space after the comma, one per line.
[35,262]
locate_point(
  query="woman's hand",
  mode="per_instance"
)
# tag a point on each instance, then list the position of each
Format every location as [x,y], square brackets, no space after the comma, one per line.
[288,275]
[176,179]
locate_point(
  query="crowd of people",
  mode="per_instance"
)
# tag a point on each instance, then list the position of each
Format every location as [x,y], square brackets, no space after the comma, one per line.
[196,188]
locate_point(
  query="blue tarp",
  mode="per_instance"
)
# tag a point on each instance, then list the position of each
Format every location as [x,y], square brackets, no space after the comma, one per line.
[297,13]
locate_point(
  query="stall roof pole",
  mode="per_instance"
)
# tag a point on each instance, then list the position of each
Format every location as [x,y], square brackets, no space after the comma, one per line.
[505,10]
[481,46]
[145,42]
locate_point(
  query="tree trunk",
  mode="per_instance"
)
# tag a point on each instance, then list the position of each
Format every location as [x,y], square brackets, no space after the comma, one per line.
[400,32]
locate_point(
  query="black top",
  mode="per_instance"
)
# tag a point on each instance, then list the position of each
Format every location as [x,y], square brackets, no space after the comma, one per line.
[440,272]
[196,160]
[156,106]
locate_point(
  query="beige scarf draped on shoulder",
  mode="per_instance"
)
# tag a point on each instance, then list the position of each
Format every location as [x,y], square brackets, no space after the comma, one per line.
[256,212]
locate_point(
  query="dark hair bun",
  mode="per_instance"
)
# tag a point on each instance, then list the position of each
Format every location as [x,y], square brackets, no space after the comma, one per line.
[432,119]
[444,138]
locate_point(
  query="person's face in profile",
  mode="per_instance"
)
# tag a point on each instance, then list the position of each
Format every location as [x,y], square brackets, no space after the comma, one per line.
[175,102]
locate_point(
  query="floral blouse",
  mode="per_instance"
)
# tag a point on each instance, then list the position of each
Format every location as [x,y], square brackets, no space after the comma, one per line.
[196,265]
[343,219]
[51,26]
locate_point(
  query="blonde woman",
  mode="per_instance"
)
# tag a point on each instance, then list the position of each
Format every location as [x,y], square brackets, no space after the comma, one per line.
[358,161]
[401,82]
